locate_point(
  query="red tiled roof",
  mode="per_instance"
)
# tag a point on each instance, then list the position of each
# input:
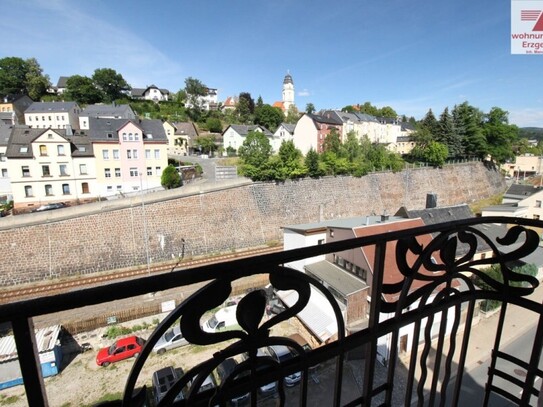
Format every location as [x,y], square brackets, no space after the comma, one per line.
[392,274]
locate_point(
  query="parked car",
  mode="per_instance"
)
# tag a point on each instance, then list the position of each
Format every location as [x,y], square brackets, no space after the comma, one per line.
[223,319]
[224,370]
[122,349]
[282,354]
[163,380]
[269,389]
[50,206]
[171,339]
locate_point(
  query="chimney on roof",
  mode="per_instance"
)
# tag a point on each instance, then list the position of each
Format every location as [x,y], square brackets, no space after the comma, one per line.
[431,200]
[384,216]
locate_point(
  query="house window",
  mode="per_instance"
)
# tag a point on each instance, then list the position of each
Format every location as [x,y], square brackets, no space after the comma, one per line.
[63,169]
[117,172]
[331,232]
[147,154]
[28,191]
[129,154]
[130,137]
[26,170]
[66,189]
[320,241]
[4,173]
[107,172]
[536,217]
[48,190]
[2,157]
[83,169]
[109,188]
[538,204]
[85,187]
[82,149]
[157,171]
[105,154]
[136,136]
[45,171]
[157,154]
[149,170]
[124,136]
[23,149]
[133,172]
[43,150]
[60,150]
[115,154]
[135,154]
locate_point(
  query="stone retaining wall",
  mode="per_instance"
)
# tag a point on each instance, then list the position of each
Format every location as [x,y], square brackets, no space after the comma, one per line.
[221,220]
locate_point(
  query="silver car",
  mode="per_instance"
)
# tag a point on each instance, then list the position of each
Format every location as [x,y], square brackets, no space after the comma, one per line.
[171,339]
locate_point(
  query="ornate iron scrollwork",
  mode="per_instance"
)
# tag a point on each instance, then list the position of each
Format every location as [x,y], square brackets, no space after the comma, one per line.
[253,335]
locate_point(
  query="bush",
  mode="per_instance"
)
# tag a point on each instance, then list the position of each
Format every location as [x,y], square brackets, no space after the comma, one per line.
[114,331]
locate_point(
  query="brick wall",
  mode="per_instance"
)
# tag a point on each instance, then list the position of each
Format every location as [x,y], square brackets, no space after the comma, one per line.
[222,220]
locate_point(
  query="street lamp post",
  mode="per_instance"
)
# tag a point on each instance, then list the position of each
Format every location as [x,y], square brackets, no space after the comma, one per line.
[145,237]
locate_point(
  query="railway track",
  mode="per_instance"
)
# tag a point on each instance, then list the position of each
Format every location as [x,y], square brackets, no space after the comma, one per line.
[39,290]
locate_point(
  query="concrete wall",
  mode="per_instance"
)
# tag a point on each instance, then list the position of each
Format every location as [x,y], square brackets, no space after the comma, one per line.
[109,235]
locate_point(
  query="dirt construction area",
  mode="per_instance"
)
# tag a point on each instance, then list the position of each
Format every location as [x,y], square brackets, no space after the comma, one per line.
[82,382]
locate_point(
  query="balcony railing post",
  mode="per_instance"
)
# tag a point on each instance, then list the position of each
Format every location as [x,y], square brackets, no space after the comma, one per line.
[375,310]
[27,351]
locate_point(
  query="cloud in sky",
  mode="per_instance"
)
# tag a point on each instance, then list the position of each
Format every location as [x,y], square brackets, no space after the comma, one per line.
[526,117]
[304,93]
[64,29]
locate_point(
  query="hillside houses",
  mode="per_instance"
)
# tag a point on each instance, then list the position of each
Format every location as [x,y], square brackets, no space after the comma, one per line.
[110,156]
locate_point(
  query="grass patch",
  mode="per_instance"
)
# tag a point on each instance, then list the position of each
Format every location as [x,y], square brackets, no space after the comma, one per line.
[477,207]
[6,400]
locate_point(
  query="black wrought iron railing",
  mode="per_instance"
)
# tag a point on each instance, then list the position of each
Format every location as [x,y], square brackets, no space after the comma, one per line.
[412,351]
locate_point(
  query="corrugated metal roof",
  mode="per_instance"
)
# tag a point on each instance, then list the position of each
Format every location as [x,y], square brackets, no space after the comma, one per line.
[318,315]
[340,280]
[46,339]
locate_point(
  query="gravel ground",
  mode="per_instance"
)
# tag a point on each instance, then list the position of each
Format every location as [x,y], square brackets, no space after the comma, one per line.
[82,383]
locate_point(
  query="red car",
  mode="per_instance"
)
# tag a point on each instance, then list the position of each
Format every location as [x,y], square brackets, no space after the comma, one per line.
[121,349]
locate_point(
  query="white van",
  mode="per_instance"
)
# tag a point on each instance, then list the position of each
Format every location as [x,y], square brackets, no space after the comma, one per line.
[221,320]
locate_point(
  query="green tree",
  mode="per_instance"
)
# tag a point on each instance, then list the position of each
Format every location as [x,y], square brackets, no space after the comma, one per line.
[259,102]
[332,142]
[500,135]
[110,83]
[352,146]
[430,123]
[22,76]
[243,112]
[214,124]
[170,178]
[82,90]
[291,160]
[312,164]
[387,111]
[249,99]
[269,117]
[36,83]
[448,135]
[468,122]
[206,143]
[436,153]
[293,115]
[310,108]
[12,75]
[368,108]
[254,153]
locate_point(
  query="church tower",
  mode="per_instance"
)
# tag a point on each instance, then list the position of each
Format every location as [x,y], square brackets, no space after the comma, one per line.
[288,92]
